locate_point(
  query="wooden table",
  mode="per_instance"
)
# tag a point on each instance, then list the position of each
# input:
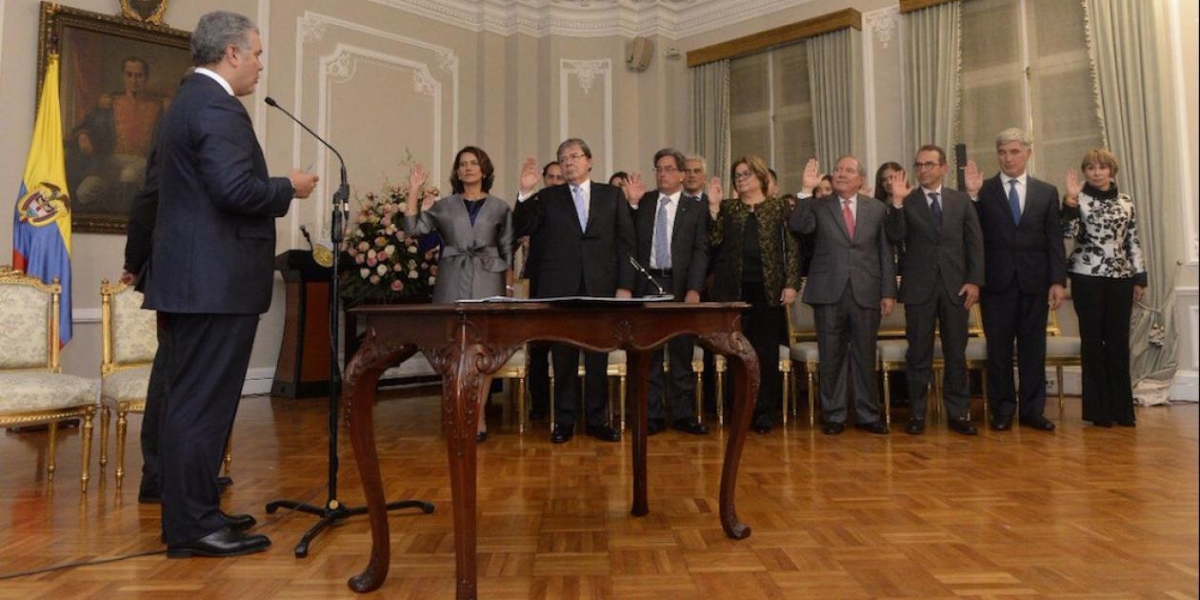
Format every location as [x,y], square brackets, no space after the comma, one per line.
[466,343]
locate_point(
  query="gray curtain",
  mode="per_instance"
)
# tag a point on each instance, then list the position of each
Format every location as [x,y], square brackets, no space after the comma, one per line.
[831,65]
[931,57]
[710,116]
[1131,61]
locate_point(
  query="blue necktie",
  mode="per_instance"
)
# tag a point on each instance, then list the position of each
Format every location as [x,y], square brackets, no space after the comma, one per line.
[662,246]
[1014,201]
[936,208]
[580,208]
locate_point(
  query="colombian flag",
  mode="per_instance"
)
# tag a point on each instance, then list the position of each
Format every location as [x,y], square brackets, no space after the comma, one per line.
[42,221]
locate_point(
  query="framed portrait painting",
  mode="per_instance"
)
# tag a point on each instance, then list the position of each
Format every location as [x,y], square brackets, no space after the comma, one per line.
[117,79]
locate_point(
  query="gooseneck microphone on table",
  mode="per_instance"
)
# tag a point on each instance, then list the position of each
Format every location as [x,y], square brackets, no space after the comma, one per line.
[637,265]
[333,510]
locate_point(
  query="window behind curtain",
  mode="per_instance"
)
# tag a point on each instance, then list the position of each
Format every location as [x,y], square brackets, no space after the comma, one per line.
[1025,64]
[770,111]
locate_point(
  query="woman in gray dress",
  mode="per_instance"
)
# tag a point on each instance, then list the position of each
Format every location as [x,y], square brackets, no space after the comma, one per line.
[476,229]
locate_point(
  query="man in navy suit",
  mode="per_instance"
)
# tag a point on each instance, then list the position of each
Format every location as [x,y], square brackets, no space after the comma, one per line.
[210,276]
[586,233]
[672,244]
[1025,266]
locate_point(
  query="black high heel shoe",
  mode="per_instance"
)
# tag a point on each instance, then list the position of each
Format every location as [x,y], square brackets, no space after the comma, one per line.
[481,437]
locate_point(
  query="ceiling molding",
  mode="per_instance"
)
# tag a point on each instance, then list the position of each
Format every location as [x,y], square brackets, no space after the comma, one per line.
[671,19]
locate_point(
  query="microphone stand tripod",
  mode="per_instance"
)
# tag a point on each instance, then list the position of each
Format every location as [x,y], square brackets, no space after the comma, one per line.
[334,511]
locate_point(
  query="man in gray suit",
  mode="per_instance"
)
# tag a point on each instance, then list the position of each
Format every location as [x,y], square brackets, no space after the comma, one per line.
[943,271]
[851,283]
[671,233]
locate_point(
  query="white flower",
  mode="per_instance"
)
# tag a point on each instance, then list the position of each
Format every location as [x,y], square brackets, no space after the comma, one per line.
[364,272]
[412,274]
[391,249]
[432,280]
[381,269]
[371,254]
[412,249]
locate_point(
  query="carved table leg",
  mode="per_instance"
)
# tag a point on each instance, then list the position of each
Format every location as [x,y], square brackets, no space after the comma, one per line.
[362,375]
[743,359]
[638,368]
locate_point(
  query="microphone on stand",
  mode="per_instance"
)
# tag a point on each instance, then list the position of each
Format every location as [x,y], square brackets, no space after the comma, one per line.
[307,237]
[637,265]
[341,197]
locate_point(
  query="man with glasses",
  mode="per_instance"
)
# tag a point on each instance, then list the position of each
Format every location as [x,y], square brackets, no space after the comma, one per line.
[943,271]
[672,244]
[588,237]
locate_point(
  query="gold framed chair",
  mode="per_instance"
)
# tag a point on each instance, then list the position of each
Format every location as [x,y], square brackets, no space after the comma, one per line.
[802,348]
[129,341]
[1061,351]
[33,389]
[616,373]
[976,357]
[891,351]
[517,369]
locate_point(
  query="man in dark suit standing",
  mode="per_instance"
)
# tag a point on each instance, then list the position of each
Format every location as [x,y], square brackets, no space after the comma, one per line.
[672,245]
[588,237]
[851,283]
[538,356]
[943,270]
[1026,268]
[210,275]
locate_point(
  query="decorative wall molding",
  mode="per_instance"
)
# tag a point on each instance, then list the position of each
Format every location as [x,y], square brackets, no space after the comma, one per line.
[586,72]
[592,18]
[883,23]
[1186,385]
[1186,161]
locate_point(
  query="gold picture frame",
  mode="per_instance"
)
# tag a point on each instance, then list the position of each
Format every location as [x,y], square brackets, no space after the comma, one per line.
[149,11]
[117,78]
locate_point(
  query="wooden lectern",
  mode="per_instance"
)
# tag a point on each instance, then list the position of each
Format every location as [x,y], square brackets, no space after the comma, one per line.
[303,367]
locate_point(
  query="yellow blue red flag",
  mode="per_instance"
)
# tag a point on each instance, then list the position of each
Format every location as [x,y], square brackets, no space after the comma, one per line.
[42,221]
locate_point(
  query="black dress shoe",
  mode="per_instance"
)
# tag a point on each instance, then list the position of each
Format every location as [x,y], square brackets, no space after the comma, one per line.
[655,426]
[604,433]
[224,482]
[1001,424]
[876,427]
[222,542]
[833,428]
[691,426]
[963,426]
[1106,424]
[915,427]
[1039,422]
[238,522]
[763,424]
[480,437]
[562,433]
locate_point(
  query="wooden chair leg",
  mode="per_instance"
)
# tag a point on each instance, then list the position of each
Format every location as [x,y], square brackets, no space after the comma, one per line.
[812,399]
[523,418]
[887,397]
[122,428]
[228,454]
[104,416]
[787,396]
[1062,410]
[52,430]
[621,394]
[699,397]
[720,398]
[86,442]
[553,423]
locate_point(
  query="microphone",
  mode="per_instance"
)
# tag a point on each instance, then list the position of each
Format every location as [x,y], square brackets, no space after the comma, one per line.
[341,198]
[304,230]
[637,265]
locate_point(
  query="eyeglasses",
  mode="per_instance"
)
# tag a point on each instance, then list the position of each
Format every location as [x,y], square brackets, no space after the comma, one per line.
[666,169]
[571,157]
[926,165]
[742,175]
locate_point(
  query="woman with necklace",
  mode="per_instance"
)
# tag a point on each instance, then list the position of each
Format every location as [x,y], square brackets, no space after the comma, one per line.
[1108,274]
[757,261]
[476,227]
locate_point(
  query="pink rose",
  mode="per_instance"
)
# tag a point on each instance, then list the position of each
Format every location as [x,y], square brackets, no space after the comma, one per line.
[374,280]
[397,285]
[372,262]
[359,259]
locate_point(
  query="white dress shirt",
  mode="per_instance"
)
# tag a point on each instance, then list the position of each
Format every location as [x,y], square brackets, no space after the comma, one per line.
[213,75]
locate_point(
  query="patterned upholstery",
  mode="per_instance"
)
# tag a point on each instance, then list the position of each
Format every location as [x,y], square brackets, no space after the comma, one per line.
[24,327]
[126,385]
[135,336]
[32,391]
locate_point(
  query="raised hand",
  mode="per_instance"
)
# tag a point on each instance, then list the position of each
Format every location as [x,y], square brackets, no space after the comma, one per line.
[812,176]
[716,193]
[635,188]
[1074,187]
[529,175]
[898,188]
[973,178]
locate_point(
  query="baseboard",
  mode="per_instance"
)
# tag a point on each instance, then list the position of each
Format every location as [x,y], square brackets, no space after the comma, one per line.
[258,381]
[1186,386]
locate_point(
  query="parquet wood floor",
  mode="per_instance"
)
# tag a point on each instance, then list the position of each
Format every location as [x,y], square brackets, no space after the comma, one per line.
[1080,513]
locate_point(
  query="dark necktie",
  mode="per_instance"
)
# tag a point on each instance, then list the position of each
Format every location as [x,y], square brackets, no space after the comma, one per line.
[1014,201]
[936,208]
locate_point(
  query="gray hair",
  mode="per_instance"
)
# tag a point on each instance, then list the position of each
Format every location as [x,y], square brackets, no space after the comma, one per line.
[862,170]
[699,159]
[675,155]
[567,143]
[215,32]
[1014,134]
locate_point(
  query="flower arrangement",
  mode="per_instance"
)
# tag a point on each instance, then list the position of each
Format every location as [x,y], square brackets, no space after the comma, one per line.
[386,264]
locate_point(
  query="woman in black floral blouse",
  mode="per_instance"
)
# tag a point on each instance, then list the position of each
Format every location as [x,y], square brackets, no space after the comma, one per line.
[1108,274]
[756,260]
